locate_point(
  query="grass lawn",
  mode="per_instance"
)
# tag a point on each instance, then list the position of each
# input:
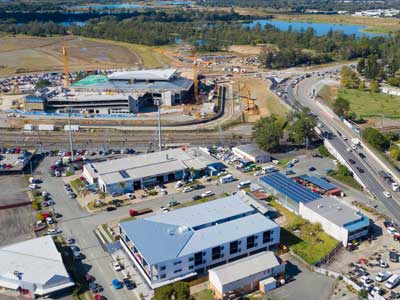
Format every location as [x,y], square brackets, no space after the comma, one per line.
[307,240]
[107,231]
[367,104]
[343,175]
[203,295]
[76,185]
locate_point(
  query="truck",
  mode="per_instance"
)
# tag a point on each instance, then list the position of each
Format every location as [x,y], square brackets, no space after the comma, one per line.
[268,169]
[244,184]
[226,179]
[138,212]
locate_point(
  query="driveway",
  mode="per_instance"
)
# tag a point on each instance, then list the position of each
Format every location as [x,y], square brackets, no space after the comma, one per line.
[306,285]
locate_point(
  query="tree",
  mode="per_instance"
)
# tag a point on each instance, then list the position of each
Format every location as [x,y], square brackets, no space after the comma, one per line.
[341,106]
[178,291]
[362,86]
[361,66]
[302,129]
[374,86]
[372,68]
[267,132]
[349,78]
[394,152]
[42,83]
[375,138]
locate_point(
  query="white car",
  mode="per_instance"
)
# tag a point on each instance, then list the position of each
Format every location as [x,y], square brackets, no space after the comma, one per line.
[164,192]
[207,194]
[117,266]
[49,221]
[275,162]
[335,162]
[258,173]
[345,138]
[354,147]
[387,194]
[164,209]
[130,195]
[391,230]
[382,276]
[187,189]
[377,291]
[179,184]
[53,231]
[366,279]
[33,186]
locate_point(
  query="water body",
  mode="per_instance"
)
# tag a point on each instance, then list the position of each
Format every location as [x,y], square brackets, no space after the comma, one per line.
[130,5]
[319,28]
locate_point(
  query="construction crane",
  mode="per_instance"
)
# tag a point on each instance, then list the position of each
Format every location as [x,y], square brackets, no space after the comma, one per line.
[196,77]
[65,61]
[250,99]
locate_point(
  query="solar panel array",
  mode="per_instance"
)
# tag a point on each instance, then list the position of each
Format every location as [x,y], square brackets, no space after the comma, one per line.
[289,188]
[321,183]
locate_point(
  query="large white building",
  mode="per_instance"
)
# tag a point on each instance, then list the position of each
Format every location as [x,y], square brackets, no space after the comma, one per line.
[337,219]
[245,275]
[252,153]
[186,242]
[34,267]
[134,172]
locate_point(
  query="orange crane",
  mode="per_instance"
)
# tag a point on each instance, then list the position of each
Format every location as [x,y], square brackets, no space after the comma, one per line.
[251,105]
[65,61]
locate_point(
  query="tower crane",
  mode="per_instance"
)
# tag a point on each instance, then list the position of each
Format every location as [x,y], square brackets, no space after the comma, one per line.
[65,62]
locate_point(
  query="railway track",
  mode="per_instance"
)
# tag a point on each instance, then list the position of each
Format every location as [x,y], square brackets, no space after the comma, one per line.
[88,139]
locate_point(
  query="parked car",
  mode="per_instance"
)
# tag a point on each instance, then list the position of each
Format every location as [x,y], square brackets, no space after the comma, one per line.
[188,189]
[196,197]
[387,194]
[128,284]
[382,276]
[173,203]
[117,284]
[207,194]
[115,194]
[393,256]
[111,208]
[117,266]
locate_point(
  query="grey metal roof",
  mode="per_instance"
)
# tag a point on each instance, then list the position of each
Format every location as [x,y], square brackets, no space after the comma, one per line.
[252,149]
[319,182]
[146,165]
[335,211]
[150,74]
[245,267]
[188,230]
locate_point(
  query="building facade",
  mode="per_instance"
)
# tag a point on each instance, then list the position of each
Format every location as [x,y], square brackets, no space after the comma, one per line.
[252,153]
[244,275]
[189,241]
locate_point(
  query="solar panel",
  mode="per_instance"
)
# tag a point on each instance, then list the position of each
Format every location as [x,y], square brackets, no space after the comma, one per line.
[124,174]
[289,188]
[321,183]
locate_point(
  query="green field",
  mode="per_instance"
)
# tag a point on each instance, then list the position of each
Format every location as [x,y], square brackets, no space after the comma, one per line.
[307,240]
[366,104]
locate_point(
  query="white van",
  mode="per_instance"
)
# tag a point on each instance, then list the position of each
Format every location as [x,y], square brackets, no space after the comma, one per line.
[226,179]
[244,184]
[268,169]
[393,281]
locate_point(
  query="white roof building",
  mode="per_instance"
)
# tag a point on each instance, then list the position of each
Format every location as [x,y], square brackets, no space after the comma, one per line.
[34,265]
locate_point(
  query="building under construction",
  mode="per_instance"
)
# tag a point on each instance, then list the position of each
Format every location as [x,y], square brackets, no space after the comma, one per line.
[118,92]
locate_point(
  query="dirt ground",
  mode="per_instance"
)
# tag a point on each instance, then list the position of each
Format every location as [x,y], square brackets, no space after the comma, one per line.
[267,102]
[15,224]
[246,49]
[29,54]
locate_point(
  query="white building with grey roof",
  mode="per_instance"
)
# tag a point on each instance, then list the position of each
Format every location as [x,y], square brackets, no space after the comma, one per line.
[186,242]
[137,171]
[252,153]
[337,218]
[119,92]
[34,267]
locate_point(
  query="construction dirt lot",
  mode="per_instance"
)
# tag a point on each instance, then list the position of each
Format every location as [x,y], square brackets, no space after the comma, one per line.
[258,89]
[31,54]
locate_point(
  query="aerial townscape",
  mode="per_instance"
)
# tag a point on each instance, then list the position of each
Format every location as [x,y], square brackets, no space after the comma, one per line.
[200,149]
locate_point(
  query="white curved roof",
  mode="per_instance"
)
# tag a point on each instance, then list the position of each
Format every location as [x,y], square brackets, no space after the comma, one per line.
[151,74]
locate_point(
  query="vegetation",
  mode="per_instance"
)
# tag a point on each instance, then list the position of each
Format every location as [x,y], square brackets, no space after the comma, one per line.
[269,131]
[305,239]
[323,151]
[204,295]
[345,176]
[376,139]
[175,291]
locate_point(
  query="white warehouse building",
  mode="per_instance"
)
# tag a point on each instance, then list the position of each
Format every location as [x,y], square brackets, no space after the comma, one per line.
[337,219]
[252,153]
[134,172]
[186,242]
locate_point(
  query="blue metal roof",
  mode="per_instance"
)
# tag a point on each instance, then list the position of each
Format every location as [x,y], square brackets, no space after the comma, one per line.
[361,223]
[319,182]
[289,188]
[185,231]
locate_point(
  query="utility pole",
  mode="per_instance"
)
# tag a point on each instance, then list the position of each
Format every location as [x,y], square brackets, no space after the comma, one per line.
[70,134]
[158,103]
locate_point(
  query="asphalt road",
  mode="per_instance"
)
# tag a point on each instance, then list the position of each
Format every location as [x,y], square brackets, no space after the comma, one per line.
[370,177]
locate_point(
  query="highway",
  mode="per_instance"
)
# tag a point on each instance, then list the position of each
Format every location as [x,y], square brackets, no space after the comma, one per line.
[366,168]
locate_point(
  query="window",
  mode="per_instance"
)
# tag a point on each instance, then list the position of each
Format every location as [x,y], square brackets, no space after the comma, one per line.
[162,276]
[191,267]
[234,247]
[162,268]
[267,237]
[198,258]
[191,258]
[250,242]
[216,253]
[177,271]
[177,262]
